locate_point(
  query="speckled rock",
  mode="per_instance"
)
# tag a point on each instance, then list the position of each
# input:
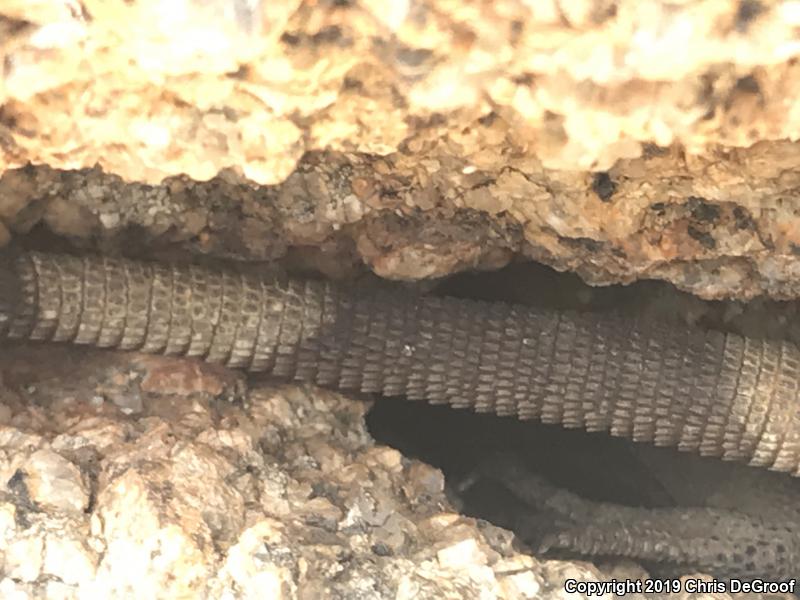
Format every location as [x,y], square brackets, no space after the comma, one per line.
[254,85]
[212,486]
[728,228]
[620,140]
[273,492]
[626,140]
[54,483]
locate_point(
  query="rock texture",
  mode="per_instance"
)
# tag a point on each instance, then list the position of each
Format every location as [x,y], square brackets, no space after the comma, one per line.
[622,140]
[147,477]
[131,476]
[253,85]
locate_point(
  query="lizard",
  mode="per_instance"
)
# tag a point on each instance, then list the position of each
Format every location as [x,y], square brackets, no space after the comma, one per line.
[707,392]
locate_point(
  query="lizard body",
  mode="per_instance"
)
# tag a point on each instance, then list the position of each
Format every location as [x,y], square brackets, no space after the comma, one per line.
[711,393]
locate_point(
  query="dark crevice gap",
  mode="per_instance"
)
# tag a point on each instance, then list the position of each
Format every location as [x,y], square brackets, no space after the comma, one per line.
[593,465]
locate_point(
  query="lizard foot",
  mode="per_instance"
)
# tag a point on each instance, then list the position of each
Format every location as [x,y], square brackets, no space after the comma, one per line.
[668,541]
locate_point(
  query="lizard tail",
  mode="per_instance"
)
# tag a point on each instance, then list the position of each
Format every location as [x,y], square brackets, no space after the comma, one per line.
[712,393]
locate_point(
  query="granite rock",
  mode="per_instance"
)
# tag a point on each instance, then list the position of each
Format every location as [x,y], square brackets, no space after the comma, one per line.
[620,140]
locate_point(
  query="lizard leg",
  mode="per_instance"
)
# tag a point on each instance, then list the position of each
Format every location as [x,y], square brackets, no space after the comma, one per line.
[675,540]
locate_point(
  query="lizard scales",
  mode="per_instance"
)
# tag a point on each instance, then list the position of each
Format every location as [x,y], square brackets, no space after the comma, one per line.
[709,392]
[717,394]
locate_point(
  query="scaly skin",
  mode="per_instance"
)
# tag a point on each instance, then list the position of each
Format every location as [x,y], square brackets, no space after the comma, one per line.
[671,541]
[707,392]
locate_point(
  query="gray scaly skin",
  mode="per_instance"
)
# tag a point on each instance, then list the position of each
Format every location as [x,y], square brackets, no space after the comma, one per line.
[707,392]
[745,543]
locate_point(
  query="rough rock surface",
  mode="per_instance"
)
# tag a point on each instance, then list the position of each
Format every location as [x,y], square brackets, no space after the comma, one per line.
[253,85]
[149,477]
[622,140]
[131,476]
